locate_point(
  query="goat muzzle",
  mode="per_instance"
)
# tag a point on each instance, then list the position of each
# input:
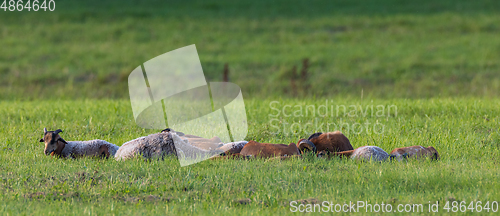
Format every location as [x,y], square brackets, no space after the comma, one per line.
[49,152]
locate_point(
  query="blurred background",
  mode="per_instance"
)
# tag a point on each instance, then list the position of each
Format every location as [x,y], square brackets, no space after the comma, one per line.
[283,48]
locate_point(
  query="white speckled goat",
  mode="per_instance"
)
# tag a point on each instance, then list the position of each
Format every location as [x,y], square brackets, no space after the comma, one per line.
[154,145]
[55,145]
[363,153]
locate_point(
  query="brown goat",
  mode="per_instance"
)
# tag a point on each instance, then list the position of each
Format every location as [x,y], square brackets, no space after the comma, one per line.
[267,150]
[414,152]
[329,142]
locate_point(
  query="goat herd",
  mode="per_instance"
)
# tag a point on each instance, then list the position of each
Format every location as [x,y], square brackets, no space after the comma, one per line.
[159,145]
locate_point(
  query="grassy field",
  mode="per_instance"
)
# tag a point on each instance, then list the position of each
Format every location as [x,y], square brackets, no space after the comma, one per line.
[86,49]
[464,131]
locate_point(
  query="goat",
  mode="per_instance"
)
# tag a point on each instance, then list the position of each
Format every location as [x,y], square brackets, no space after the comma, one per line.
[55,145]
[170,142]
[363,153]
[268,150]
[414,152]
[156,145]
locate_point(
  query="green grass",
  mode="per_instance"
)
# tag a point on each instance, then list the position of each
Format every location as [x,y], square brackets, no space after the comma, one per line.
[388,49]
[464,131]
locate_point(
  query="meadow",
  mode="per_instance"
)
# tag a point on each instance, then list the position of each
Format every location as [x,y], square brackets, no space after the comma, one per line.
[388,49]
[406,72]
[464,131]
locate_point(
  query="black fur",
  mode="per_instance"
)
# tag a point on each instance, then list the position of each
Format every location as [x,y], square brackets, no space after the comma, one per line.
[314,135]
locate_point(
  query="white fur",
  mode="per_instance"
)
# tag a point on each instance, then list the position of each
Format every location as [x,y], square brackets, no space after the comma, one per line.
[87,148]
[159,145]
[154,145]
[188,147]
[370,152]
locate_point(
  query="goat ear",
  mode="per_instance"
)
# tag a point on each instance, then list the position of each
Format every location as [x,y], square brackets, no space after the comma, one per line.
[41,140]
[62,140]
[58,131]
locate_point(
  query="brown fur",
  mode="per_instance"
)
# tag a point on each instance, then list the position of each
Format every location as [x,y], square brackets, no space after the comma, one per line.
[60,147]
[232,150]
[415,152]
[104,152]
[330,142]
[267,150]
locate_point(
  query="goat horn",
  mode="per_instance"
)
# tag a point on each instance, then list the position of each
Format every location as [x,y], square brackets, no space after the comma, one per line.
[392,157]
[306,144]
[58,131]
[44,130]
